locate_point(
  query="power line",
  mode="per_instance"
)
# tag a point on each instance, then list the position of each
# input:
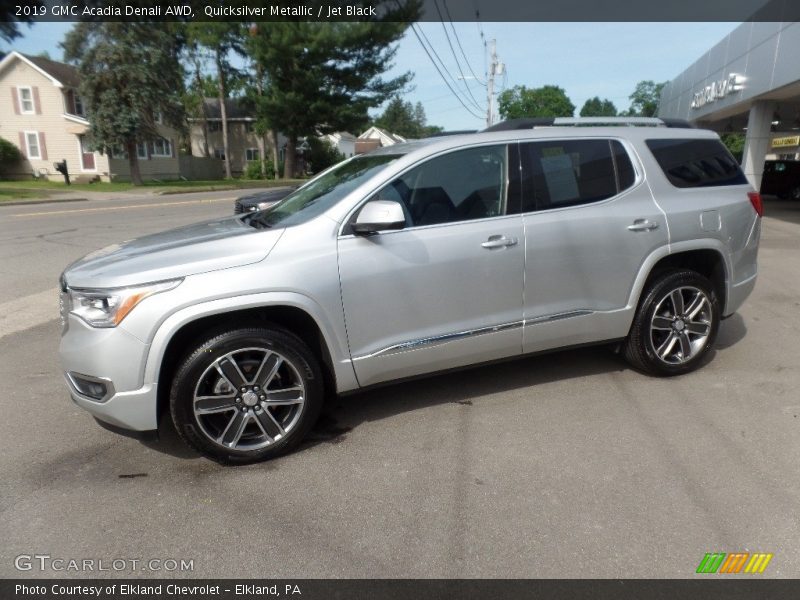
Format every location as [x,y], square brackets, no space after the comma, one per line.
[453,52]
[441,62]
[458,41]
[438,70]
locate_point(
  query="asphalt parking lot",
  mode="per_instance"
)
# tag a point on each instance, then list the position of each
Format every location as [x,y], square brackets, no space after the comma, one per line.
[565,465]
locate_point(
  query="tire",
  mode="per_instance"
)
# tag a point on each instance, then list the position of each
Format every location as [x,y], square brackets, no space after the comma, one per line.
[664,341]
[247,395]
[795,193]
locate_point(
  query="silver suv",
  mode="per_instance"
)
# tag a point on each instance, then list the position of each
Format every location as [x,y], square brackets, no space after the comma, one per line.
[415,258]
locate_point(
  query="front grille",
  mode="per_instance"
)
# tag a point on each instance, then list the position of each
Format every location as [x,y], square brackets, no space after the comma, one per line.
[237,208]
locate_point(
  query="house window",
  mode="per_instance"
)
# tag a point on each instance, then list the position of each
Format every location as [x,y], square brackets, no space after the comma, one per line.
[162,147]
[251,154]
[141,150]
[26,101]
[160,118]
[248,126]
[78,103]
[219,153]
[214,126]
[32,142]
[117,151]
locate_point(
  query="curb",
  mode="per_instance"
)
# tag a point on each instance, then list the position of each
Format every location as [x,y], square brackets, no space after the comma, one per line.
[33,202]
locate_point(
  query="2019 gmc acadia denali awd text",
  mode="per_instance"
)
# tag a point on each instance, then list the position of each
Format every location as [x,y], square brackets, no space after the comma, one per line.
[412,259]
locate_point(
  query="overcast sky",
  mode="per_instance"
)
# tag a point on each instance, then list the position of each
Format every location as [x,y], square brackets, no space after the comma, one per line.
[586,59]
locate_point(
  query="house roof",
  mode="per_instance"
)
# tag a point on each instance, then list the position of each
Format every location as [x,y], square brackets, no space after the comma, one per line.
[61,74]
[234,107]
[393,137]
[66,74]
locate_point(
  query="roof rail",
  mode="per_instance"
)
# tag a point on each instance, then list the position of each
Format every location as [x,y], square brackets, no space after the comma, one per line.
[531,123]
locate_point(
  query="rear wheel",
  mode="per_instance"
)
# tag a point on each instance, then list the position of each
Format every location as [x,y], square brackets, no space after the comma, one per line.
[247,395]
[675,325]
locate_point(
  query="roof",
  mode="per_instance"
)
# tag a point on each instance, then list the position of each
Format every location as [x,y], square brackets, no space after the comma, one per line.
[396,139]
[61,74]
[66,74]
[235,108]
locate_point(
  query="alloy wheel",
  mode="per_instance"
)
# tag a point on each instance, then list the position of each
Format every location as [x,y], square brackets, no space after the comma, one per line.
[681,325]
[249,399]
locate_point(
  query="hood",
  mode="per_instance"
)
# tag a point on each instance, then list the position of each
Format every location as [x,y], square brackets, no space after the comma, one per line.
[189,250]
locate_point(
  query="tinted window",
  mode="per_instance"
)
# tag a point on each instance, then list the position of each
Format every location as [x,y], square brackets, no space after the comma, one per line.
[463,185]
[568,172]
[625,173]
[696,163]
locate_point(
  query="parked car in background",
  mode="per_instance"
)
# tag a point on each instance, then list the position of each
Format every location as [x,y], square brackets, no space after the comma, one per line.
[261,200]
[412,259]
[782,179]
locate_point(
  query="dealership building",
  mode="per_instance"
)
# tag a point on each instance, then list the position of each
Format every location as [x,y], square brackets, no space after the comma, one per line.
[749,82]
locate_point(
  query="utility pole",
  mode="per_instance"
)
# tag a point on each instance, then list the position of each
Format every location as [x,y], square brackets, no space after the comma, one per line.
[495,68]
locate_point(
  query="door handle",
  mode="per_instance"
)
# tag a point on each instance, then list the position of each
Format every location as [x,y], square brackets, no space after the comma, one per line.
[499,241]
[642,225]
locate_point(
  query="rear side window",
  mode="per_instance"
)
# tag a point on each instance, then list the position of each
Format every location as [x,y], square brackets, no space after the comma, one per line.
[557,173]
[696,163]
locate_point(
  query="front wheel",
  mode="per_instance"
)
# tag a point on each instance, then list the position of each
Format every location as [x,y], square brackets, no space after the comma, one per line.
[247,395]
[675,325]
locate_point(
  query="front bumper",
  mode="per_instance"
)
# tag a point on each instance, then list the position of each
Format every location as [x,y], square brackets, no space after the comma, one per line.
[116,357]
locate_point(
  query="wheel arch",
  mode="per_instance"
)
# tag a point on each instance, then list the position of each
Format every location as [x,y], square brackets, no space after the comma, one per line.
[706,257]
[181,330]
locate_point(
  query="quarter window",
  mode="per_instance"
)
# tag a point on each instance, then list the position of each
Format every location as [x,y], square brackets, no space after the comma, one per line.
[696,163]
[460,186]
[26,101]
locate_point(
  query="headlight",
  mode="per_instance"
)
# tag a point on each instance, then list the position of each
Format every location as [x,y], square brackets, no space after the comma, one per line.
[263,205]
[107,308]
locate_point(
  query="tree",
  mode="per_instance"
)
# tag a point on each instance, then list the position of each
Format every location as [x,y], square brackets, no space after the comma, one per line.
[9,19]
[321,155]
[645,99]
[130,76]
[323,77]
[594,107]
[220,39]
[735,144]
[405,119]
[546,101]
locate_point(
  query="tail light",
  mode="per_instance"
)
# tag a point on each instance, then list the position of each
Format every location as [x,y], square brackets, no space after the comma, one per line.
[755,200]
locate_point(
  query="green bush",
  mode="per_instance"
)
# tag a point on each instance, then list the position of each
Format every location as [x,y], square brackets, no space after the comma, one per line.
[253,170]
[321,155]
[9,153]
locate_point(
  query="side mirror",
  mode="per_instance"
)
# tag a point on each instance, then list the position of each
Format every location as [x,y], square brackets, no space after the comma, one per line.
[379,215]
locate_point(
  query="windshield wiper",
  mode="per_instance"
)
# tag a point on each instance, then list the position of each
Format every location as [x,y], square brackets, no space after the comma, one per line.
[258,221]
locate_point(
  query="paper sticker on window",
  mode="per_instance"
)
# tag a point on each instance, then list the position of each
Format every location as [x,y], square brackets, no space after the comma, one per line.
[560,177]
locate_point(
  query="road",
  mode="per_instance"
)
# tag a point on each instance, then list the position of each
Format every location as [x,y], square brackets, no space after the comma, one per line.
[565,465]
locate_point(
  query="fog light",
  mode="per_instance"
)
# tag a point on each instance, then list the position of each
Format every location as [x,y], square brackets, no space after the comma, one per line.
[91,387]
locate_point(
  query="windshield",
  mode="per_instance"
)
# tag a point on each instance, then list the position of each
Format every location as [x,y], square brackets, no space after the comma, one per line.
[321,193]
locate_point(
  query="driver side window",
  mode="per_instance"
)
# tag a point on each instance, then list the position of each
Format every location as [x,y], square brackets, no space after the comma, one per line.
[459,186]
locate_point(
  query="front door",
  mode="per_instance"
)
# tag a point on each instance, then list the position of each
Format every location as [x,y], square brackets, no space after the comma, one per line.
[446,290]
[87,156]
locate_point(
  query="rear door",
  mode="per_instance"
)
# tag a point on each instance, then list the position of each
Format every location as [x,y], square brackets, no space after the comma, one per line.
[446,290]
[590,222]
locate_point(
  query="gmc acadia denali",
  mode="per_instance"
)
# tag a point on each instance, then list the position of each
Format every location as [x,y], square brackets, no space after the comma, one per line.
[415,258]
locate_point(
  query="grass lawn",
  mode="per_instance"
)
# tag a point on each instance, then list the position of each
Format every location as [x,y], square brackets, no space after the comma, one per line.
[8,194]
[30,189]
